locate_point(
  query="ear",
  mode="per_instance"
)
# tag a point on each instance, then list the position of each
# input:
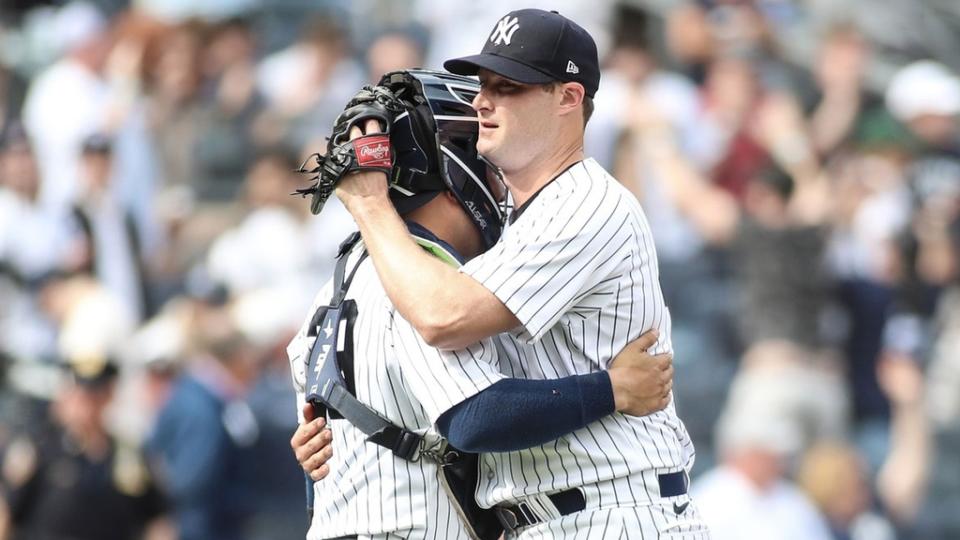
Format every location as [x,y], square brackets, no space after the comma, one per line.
[570,96]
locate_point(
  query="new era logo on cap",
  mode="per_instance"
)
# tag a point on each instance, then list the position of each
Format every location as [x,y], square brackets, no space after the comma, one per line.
[504,31]
[572,68]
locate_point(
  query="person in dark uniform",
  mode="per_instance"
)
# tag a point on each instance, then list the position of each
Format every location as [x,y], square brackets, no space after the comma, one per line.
[76,482]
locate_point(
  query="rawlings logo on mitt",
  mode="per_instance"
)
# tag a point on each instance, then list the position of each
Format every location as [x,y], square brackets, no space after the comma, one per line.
[373,151]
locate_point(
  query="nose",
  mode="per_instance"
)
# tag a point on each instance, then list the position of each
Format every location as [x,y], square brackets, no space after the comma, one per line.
[480,102]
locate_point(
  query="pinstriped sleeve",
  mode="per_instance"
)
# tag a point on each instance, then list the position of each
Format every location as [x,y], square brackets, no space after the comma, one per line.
[437,379]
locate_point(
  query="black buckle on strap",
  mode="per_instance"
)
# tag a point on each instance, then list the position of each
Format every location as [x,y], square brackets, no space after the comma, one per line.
[402,442]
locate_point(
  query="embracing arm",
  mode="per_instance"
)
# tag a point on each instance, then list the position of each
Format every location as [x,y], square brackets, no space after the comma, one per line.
[513,414]
[449,309]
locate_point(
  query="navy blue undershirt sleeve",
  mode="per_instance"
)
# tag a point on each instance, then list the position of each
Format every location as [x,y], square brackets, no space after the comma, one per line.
[514,414]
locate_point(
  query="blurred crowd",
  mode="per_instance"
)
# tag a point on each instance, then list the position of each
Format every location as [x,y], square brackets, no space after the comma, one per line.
[799,162]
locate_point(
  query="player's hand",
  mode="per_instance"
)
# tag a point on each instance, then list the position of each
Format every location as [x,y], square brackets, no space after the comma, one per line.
[641,382]
[311,445]
[359,190]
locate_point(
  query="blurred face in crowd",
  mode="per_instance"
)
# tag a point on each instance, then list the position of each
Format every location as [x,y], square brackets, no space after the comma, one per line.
[392,52]
[233,44]
[689,37]
[18,170]
[94,52]
[519,123]
[842,61]
[79,408]
[176,73]
[834,477]
[935,129]
[268,183]
[95,170]
[631,62]
[731,88]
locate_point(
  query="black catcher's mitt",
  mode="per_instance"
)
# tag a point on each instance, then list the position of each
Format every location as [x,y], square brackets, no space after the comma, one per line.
[368,152]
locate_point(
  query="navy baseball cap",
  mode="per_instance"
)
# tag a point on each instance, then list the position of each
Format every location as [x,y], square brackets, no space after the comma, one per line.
[533,46]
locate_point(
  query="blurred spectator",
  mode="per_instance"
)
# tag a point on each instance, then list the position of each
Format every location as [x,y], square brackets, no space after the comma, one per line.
[902,479]
[834,476]
[63,488]
[790,367]
[25,259]
[69,101]
[230,103]
[689,40]
[173,81]
[201,444]
[269,318]
[779,264]
[731,95]
[108,242]
[926,97]
[270,246]
[843,106]
[91,319]
[747,496]
[307,85]
[392,51]
[873,209]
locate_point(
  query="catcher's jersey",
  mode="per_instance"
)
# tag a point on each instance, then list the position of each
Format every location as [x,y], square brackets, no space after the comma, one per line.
[369,491]
[577,266]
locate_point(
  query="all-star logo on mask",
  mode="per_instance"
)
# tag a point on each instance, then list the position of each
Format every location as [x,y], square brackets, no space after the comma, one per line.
[504,31]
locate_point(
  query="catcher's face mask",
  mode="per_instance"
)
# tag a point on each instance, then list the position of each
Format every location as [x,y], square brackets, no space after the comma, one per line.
[433,142]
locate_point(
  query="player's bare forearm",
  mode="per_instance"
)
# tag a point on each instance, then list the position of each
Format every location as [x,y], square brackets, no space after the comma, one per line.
[449,309]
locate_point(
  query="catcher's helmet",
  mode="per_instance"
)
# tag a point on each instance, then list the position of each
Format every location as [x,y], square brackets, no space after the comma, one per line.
[434,142]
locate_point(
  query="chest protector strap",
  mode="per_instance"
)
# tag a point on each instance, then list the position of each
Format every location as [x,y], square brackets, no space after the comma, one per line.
[330,386]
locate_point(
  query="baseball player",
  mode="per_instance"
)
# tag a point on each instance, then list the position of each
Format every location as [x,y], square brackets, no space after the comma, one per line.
[573,277]
[393,387]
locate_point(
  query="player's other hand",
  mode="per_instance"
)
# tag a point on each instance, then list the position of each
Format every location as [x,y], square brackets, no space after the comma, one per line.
[311,445]
[363,187]
[641,382]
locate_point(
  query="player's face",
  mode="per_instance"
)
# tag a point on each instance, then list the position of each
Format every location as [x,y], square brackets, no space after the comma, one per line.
[514,118]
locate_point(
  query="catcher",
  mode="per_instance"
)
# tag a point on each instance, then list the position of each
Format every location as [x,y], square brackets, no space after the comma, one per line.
[405,416]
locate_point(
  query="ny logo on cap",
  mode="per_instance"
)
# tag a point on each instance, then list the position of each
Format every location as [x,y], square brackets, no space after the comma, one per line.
[504,31]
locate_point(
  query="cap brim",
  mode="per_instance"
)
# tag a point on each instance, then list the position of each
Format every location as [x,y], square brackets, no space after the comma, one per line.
[503,66]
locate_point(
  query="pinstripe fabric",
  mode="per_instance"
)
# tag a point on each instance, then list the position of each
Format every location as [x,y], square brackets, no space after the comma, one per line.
[651,522]
[579,269]
[369,491]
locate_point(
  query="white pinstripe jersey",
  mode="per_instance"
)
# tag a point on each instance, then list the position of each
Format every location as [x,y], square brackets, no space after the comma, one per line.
[579,270]
[369,491]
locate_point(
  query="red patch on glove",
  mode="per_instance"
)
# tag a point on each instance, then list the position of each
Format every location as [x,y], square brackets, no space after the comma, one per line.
[373,151]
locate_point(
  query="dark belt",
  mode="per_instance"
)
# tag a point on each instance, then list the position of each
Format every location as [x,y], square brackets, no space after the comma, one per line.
[515,517]
[572,501]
